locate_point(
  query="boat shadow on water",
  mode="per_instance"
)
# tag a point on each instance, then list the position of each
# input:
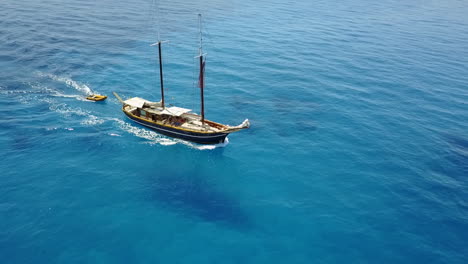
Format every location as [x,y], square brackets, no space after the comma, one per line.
[455,156]
[194,197]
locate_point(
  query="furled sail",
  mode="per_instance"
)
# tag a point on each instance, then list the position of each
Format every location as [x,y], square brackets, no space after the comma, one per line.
[201,78]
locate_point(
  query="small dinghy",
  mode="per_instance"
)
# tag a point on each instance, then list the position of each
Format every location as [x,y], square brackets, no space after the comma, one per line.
[96,97]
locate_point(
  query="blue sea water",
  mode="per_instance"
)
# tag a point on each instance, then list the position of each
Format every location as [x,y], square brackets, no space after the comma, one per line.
[358,150]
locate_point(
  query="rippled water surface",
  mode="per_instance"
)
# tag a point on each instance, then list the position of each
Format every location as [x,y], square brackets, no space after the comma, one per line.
[358,150]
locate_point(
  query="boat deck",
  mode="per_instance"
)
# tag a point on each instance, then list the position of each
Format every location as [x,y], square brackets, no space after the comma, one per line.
[187,121]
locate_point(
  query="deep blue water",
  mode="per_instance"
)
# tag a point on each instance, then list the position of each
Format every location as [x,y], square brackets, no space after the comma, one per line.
[358,150]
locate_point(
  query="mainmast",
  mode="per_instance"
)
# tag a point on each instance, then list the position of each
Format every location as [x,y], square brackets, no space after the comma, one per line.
[160,70]
[161,74]
[159,43]
[202,71]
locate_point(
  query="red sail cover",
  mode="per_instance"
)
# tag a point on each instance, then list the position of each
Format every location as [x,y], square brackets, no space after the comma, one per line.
[201,78]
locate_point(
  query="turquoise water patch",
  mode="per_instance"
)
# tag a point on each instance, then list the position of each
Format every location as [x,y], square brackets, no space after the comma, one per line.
[357,151]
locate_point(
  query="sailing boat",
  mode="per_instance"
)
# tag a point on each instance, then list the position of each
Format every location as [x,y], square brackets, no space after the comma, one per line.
[176,121]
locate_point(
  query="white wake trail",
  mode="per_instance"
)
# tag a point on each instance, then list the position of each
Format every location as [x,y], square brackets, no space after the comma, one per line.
[68,81]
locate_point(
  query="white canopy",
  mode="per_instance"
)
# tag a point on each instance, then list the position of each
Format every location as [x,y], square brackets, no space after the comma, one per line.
[136,102]
[175,111]
[155,107]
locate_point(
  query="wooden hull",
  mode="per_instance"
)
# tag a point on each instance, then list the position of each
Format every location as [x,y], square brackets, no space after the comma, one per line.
[197,137]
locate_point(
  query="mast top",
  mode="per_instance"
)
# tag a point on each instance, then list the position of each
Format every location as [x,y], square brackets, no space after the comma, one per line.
[200,48]
[201,36]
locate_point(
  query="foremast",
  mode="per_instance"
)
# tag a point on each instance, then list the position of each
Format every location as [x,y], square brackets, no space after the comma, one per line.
[159,43]
[201,78]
